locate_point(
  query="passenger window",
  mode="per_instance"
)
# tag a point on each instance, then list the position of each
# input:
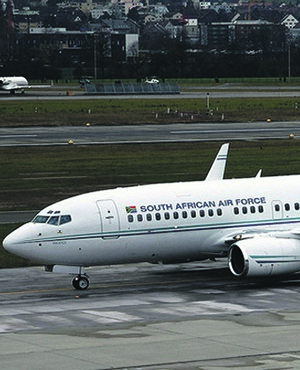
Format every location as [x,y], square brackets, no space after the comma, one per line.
[287,207]
[130,218]
[245,210]
[157,216]
[210,212]
[219,212]
[184,214]
[193,214]
[297,206]
[167,215]
[202,213]
[53,220]
[65,219]
[260,209]
[252,209]
[236,210]
[149,217]
[139,218]
[277,207]
[175,215]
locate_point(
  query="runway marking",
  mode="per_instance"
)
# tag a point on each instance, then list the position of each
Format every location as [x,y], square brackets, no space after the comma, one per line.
[225,131]
[113,316]
[14,136]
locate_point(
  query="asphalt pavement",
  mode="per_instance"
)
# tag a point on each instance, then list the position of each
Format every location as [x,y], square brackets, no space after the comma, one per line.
[187,132]
[190,316]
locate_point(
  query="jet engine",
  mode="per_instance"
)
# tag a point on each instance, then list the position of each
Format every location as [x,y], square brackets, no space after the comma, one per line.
[264,256]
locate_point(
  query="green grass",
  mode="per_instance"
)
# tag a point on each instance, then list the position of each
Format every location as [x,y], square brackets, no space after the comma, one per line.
[33,177]
[141,111]
[140,105]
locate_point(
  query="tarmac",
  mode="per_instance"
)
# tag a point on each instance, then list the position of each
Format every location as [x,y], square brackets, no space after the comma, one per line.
[148,317]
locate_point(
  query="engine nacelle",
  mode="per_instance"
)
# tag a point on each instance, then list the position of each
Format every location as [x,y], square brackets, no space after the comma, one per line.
[263,256]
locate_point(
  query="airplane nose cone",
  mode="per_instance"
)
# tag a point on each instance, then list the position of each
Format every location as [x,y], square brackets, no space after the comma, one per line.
[9,243]
[13,243]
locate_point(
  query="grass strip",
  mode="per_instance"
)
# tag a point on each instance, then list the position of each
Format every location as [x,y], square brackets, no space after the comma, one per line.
[141,111]
[33,177]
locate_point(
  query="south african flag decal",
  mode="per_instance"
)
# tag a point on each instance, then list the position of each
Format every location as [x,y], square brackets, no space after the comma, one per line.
[131,209]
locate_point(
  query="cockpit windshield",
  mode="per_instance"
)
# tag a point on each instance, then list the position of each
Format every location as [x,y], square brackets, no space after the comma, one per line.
[52,220]
[40,219]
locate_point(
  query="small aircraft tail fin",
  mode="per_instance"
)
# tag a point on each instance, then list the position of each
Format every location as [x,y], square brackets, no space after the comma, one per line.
[217,169]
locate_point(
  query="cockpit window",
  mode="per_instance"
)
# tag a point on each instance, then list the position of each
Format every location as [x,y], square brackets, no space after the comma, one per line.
[40,219]
[53,220]
[64,219]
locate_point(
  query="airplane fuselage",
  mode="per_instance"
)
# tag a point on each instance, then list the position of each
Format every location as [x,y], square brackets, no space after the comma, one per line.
[165,223]
[13,83]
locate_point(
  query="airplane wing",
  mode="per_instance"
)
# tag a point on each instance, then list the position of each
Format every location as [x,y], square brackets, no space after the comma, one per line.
[16,87]
[217,169]
[39,86]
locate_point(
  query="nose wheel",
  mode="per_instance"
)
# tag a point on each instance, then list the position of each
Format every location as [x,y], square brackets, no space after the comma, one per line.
[80,282]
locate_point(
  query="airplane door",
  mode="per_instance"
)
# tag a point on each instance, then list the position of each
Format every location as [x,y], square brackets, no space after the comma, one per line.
[277,210]
[109,216]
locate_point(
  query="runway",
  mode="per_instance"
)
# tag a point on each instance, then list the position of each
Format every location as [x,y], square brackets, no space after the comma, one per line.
[144,316]
[217,91]
[37,136]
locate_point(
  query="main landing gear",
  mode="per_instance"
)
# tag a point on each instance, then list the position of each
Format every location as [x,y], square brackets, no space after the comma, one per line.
[81,282]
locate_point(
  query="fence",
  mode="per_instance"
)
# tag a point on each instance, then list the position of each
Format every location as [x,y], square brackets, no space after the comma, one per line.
[130,88]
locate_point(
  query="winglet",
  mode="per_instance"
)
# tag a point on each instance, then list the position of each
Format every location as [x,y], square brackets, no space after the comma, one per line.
[217,169]
[259,173]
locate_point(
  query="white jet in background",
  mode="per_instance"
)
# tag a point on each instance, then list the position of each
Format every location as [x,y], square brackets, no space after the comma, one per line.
[13,84]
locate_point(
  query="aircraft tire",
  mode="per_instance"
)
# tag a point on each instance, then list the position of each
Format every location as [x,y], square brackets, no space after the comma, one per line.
[80,282]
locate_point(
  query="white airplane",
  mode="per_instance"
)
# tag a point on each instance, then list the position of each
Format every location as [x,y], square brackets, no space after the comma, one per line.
[152,80]
[12,84]
[254,222]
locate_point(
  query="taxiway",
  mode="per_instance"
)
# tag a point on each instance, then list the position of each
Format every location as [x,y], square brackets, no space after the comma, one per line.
[145,316]
[37,136]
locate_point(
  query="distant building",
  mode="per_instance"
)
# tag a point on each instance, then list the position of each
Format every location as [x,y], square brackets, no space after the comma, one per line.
[122,46]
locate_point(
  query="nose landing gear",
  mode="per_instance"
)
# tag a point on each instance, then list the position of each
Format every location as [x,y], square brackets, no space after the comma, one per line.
[81,282]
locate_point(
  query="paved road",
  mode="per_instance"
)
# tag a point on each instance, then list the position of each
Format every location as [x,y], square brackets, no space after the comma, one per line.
[217,91]
[144,316]
[146,133]
[11,217]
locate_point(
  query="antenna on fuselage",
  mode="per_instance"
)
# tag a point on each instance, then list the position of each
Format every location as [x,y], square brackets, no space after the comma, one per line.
[217,169]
